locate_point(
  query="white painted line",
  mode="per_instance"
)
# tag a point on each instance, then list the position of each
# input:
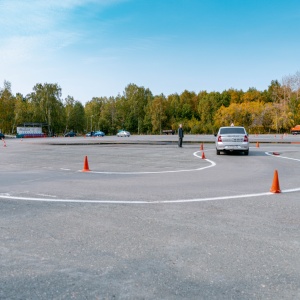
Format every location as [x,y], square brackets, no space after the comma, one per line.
[7,196]
[279,156]
[212,164]
[46,195]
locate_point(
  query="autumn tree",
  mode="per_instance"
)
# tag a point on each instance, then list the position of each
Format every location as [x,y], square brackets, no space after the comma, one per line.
[275,109]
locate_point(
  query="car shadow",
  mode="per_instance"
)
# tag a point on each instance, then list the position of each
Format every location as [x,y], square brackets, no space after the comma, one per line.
[241,153]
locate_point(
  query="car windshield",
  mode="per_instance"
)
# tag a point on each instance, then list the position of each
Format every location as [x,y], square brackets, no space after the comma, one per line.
[232,130]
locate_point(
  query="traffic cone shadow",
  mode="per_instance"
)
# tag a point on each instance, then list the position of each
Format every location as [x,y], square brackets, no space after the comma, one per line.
[275,188]
[85,165]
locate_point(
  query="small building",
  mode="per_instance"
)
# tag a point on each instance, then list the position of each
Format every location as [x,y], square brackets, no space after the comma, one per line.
[30,130]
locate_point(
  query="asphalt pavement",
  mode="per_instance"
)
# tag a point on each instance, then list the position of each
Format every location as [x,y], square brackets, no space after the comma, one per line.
[149,220]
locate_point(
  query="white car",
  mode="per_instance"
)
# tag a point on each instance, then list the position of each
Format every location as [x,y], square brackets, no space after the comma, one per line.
[232,138]
[124,133]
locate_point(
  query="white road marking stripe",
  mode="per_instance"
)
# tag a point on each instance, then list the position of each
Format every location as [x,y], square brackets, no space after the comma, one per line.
[284,157]
[7,196]
[212,164]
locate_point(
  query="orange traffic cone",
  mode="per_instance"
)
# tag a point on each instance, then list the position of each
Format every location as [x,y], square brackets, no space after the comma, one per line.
[203,155]
[257,144]
[201,147]
[275,188]
[86,165]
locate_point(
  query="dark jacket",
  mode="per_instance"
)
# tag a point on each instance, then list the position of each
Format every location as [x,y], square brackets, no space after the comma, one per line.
[180,132]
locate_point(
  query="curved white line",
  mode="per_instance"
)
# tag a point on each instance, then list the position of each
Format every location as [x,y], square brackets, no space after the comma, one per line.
[279,156]
[7,196]
[212,164]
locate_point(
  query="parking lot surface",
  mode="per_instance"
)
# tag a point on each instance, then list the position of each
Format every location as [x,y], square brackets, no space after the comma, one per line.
[149,220]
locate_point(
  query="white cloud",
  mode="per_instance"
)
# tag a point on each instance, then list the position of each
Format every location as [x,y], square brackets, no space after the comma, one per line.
[36,16]
[17,49]
[31,26]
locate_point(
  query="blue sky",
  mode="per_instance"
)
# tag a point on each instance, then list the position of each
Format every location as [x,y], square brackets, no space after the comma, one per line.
[95,48]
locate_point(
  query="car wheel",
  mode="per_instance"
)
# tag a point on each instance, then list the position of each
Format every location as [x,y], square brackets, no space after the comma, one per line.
[218,152]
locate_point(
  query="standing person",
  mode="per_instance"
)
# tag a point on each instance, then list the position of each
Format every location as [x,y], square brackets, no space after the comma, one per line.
[180,135]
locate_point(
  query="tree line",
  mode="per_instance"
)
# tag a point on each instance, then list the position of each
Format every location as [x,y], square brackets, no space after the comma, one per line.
[275,109]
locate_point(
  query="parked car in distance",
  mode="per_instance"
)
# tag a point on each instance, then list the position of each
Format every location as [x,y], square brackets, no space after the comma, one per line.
[70,134]
[295,130]
[89,133]
[2,136]
[99,133]
[168,131]
[95,133]
[124,133]
[232,138]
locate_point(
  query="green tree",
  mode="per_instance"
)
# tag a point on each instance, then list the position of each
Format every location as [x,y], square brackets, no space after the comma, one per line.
[275,91]
[109,116]
[77,117]
[123,112]
[138,98]
[69,105]
[208,105]
[47,106]
[173,111]
[158,116]
[93,110]
[188,103]
[7,107]
[23,111]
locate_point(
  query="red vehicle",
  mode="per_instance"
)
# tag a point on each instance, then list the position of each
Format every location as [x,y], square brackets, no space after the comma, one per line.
[295,130]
